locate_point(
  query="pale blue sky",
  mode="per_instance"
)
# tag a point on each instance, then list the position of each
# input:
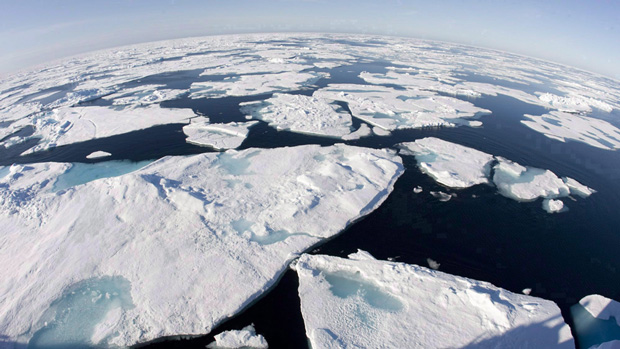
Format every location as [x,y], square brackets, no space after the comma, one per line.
[585,34]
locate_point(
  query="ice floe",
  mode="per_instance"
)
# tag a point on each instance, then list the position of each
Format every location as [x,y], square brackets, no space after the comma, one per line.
[215,228]
[303,114]
[553,206]
[391,109]
[597,322]
[78,124]
[247,85]
[218,136]
[441,196]
[448,163]
[458,167]
[244,338]
[367,303]
[144,94]
[568,126]
[98,154]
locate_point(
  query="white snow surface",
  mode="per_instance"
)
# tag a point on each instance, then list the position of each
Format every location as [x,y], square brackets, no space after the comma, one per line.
[450,164]
[186,242]
[244,338]
[366,303]
[303,114]
[601,307]
[218,136]
[568,126]
[98,154]
[64,126]
[144,95]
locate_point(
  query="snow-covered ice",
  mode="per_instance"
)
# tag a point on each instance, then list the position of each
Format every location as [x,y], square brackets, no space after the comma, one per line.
[418,189]
[303,114]
[144,94]
[244,338]
[78,124]
[448,163]
[568,126]
[98,154]
[527,183]
[391,109]
[597,322]
[247,85]
[553,206]
[367,303]
[218,136]
[215,228]
[457,166]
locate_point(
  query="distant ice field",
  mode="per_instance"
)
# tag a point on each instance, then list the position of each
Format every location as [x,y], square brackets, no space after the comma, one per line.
[517,216]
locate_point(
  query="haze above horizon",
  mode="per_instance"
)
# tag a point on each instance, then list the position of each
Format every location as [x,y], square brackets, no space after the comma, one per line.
[583,34]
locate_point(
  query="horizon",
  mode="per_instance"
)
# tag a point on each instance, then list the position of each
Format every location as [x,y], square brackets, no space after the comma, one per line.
[573,33]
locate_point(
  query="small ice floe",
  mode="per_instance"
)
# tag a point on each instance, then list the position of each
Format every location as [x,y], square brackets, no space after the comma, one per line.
[526,291]
[418,189]
[218,136]
[98,154]
[553,206]
[433,264]
[244,338]
[441,196]
[369,303]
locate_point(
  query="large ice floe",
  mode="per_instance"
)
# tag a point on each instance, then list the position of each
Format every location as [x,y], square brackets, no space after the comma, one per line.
[304,114]
[175,247]
[78,124]
[219,136]
[458,167]
[391,109]
[361,302]
[597,322]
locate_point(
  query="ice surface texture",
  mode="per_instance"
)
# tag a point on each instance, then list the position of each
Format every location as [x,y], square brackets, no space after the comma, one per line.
[457,166]
[218,136]
[196,238]
[244,338]
[597,322]
[367,303]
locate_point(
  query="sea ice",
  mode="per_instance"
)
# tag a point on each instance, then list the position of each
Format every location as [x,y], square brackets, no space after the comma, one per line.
[218,136]
[367,303]
[81,173]
[553,206]
[448,163]
[78,124]
[418,189]
[527,183]
[247,85]
[391,109]
[562,126]
[441,196]
[303,114]
[98,154]
[244,338]
[457,166]
[215,229]
[144,95]
[597,322]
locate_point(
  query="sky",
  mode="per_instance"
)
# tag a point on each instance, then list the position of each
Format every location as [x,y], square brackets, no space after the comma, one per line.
[584,33]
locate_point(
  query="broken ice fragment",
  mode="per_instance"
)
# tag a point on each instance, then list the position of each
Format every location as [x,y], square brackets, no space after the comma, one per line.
[244,338]
[441,196]
[98,154]
[553,206]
